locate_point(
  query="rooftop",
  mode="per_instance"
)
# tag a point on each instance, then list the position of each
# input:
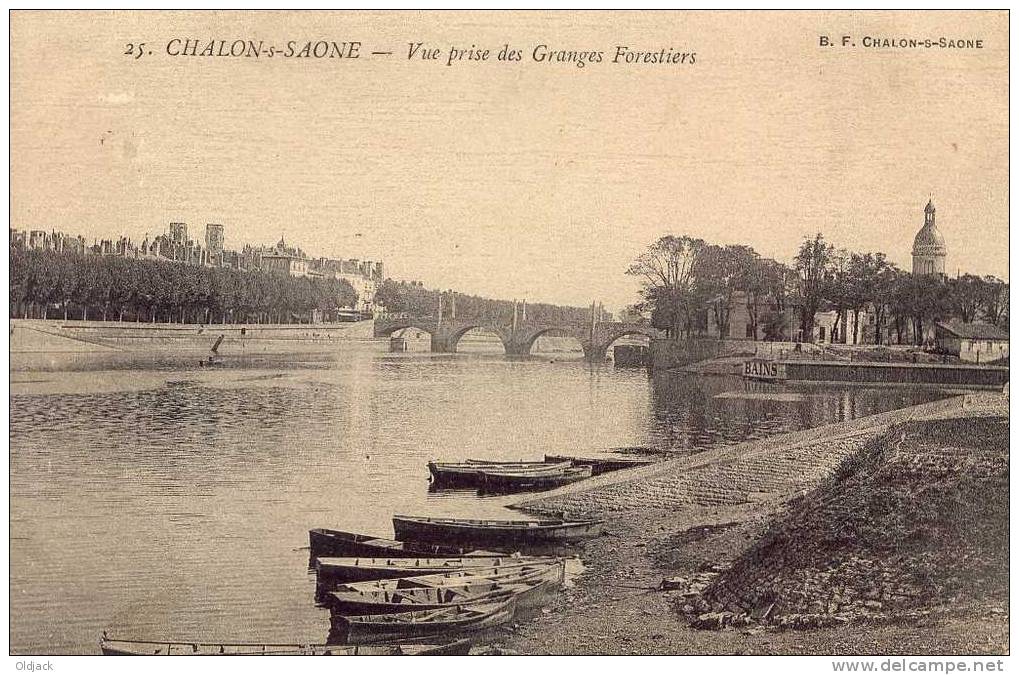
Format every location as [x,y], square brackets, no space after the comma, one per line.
[975,331]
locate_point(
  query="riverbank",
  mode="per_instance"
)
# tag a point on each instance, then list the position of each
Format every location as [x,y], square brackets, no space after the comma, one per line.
[53,345]
[692,519]
[52,335]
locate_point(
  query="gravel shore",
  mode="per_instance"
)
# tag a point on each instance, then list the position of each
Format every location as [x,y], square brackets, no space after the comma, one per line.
[692,518]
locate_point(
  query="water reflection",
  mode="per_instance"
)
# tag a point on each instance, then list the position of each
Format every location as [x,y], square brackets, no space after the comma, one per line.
[692,413]
[174,502]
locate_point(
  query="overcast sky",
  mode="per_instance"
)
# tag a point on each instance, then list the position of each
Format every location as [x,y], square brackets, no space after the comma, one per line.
[517,180]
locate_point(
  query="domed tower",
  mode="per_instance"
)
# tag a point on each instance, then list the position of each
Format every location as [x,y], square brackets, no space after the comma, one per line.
[929,251]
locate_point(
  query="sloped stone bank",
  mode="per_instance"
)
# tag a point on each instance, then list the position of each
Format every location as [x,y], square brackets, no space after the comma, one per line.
[692,522]
[917,519]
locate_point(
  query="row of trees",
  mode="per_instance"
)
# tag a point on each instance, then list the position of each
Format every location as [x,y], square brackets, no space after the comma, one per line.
[110,287]
[686,280]
[847,281]
[413,299]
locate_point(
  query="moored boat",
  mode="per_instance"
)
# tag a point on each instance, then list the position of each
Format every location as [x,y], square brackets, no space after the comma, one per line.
[600,465]
[510,464]
[111,647]
[422,623]
[497,480]
[324,543]
[466,473]
[501,533]
[341,570]
[530,583]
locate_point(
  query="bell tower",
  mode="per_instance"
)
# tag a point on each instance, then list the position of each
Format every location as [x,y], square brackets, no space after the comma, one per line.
[929,250]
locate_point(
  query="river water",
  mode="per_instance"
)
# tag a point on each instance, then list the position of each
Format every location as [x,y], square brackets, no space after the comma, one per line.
[154,499]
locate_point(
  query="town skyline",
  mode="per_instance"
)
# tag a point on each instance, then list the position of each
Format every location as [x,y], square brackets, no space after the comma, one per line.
[517,182]
[234,241]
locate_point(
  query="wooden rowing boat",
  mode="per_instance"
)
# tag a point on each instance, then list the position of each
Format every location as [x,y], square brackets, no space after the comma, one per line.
[466,473]
[112,647]
[423,623]
[324,543]
[434,591]
[496,480]
[499,532]
[346,570]
[600,465]
[521,463]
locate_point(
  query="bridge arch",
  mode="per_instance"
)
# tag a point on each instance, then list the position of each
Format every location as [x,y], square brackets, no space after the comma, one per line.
[455,335]
[387,329]
[523,345]
[602,343]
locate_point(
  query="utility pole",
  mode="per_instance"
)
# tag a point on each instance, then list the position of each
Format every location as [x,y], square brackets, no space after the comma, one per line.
[452,302]
[514,316]
[592,322]
[440,309]
[524,317]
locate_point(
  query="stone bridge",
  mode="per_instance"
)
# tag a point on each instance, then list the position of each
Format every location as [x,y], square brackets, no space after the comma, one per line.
[517,338]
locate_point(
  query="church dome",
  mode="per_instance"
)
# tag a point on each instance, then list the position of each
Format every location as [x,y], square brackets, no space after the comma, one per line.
[928,241]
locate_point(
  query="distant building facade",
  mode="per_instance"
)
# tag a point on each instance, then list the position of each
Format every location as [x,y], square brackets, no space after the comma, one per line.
[830,326]
[974,342]
[364,276]
[40,240]
[281,259]
[214,238]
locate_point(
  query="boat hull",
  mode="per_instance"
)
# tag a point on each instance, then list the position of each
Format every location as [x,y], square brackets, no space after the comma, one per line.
[335,570]
[437,591]
[335,543]
[495,481]
[465,474]
[418,624]
[505,533]
[600,465]
[150,648]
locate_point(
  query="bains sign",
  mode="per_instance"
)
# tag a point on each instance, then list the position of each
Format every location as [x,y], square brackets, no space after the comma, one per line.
[761,369]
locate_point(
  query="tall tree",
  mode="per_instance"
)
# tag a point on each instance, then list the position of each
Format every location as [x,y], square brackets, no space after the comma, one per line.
[812,264]
[721,272]
[994,303]
[881,296]
[765,286]
[865,272]
[966,295]
[666,269]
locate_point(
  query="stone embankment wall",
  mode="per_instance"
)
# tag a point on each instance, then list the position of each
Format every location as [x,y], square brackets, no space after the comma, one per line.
[890,373]
[669,353]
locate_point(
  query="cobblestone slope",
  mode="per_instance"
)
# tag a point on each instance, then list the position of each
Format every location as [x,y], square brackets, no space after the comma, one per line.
[908,523]
[742,474]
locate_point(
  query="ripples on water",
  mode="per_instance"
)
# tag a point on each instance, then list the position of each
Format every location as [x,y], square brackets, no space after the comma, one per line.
[181,510]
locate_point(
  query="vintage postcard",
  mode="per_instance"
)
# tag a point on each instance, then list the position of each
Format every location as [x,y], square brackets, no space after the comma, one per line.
[521,332]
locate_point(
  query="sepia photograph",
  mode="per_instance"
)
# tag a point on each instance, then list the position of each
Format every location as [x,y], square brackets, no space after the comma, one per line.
[536,333]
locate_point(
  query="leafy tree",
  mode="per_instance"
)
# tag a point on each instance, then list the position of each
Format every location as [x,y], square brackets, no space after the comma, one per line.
[881,295]
[994,300]
[812,265]
[721,272]
[667,271]
[966,295]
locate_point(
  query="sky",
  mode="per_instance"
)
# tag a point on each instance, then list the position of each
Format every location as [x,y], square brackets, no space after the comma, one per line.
[528,179]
